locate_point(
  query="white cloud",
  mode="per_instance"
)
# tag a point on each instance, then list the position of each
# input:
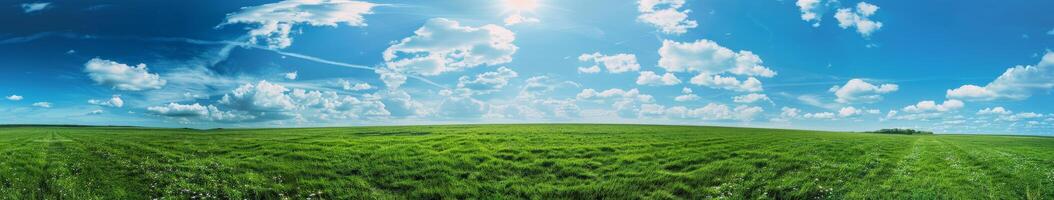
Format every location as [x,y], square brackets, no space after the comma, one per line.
[627,103]
[617,63]
[686,95]
[391,78]
[14,98]
[265,101]
[926,106]
[95,112]
[461,106]
[261,97]
[517,19]
[1017,83]
[589,70]
[34,7]
[347,85]
[810,11]
[121,76]
[650,78]
[789,113]
[590,94]
[713,111]
[42,104]
[197,111]
[400,104]
[999,110]
[114,101]
[820,115]
[537,85]
[275,21]
[487,82]
[729,83]
[860,91]
[179,110]
[290,75]
[1020,116]
[751,98]
[859,18]
[705,56]
[849,111]
[652,110]
[443,45]
[664,14]
[330,105]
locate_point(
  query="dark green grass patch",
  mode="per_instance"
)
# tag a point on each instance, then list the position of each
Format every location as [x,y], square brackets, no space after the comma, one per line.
[516,162]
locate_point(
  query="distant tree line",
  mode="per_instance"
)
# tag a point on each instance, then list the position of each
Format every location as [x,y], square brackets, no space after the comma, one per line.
[902,131]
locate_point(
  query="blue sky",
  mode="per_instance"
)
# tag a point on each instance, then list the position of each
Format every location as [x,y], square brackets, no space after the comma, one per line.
[946,66]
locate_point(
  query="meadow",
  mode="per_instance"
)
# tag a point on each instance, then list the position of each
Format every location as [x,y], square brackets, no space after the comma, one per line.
[543,161]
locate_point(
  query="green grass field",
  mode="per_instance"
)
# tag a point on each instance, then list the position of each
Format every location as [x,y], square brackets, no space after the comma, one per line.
[517,161]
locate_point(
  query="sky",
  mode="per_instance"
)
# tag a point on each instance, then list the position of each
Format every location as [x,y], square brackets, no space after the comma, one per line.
[945,66]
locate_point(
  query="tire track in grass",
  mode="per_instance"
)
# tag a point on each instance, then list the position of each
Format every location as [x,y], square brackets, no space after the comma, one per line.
[934,170]
[1011,167]
[20,166]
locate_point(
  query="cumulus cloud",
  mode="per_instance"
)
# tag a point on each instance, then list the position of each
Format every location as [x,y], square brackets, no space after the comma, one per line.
[265,101]
[197,111]
[1020,116]
[114,101]
[121,76]
[928,106]
[179,110]
[617,63]
[591,94]
[329,105]
[444,45]
[859,18]
[14,98]
[290,75]
[751,98]
[391,78]
[487,82]
[810,11]
[860,91]
[664,14]
[347,85]
[400,104]
[998,110]
[686,95]
[274,22]
[705,56]
[714,111]
[42,104]
[1017,83]
[461,106]
[710,60]
[728,83]
[820,115]
[650,78]
[262,97]
[627,103]
[34,7]
[789,113]
[849,111]
[589,70]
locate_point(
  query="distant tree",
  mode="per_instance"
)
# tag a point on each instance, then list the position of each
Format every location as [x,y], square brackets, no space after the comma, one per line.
[902,131]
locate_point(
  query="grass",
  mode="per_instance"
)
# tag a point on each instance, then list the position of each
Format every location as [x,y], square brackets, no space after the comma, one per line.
[516,161]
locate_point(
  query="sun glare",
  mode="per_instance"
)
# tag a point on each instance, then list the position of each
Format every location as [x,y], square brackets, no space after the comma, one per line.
[521,5]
